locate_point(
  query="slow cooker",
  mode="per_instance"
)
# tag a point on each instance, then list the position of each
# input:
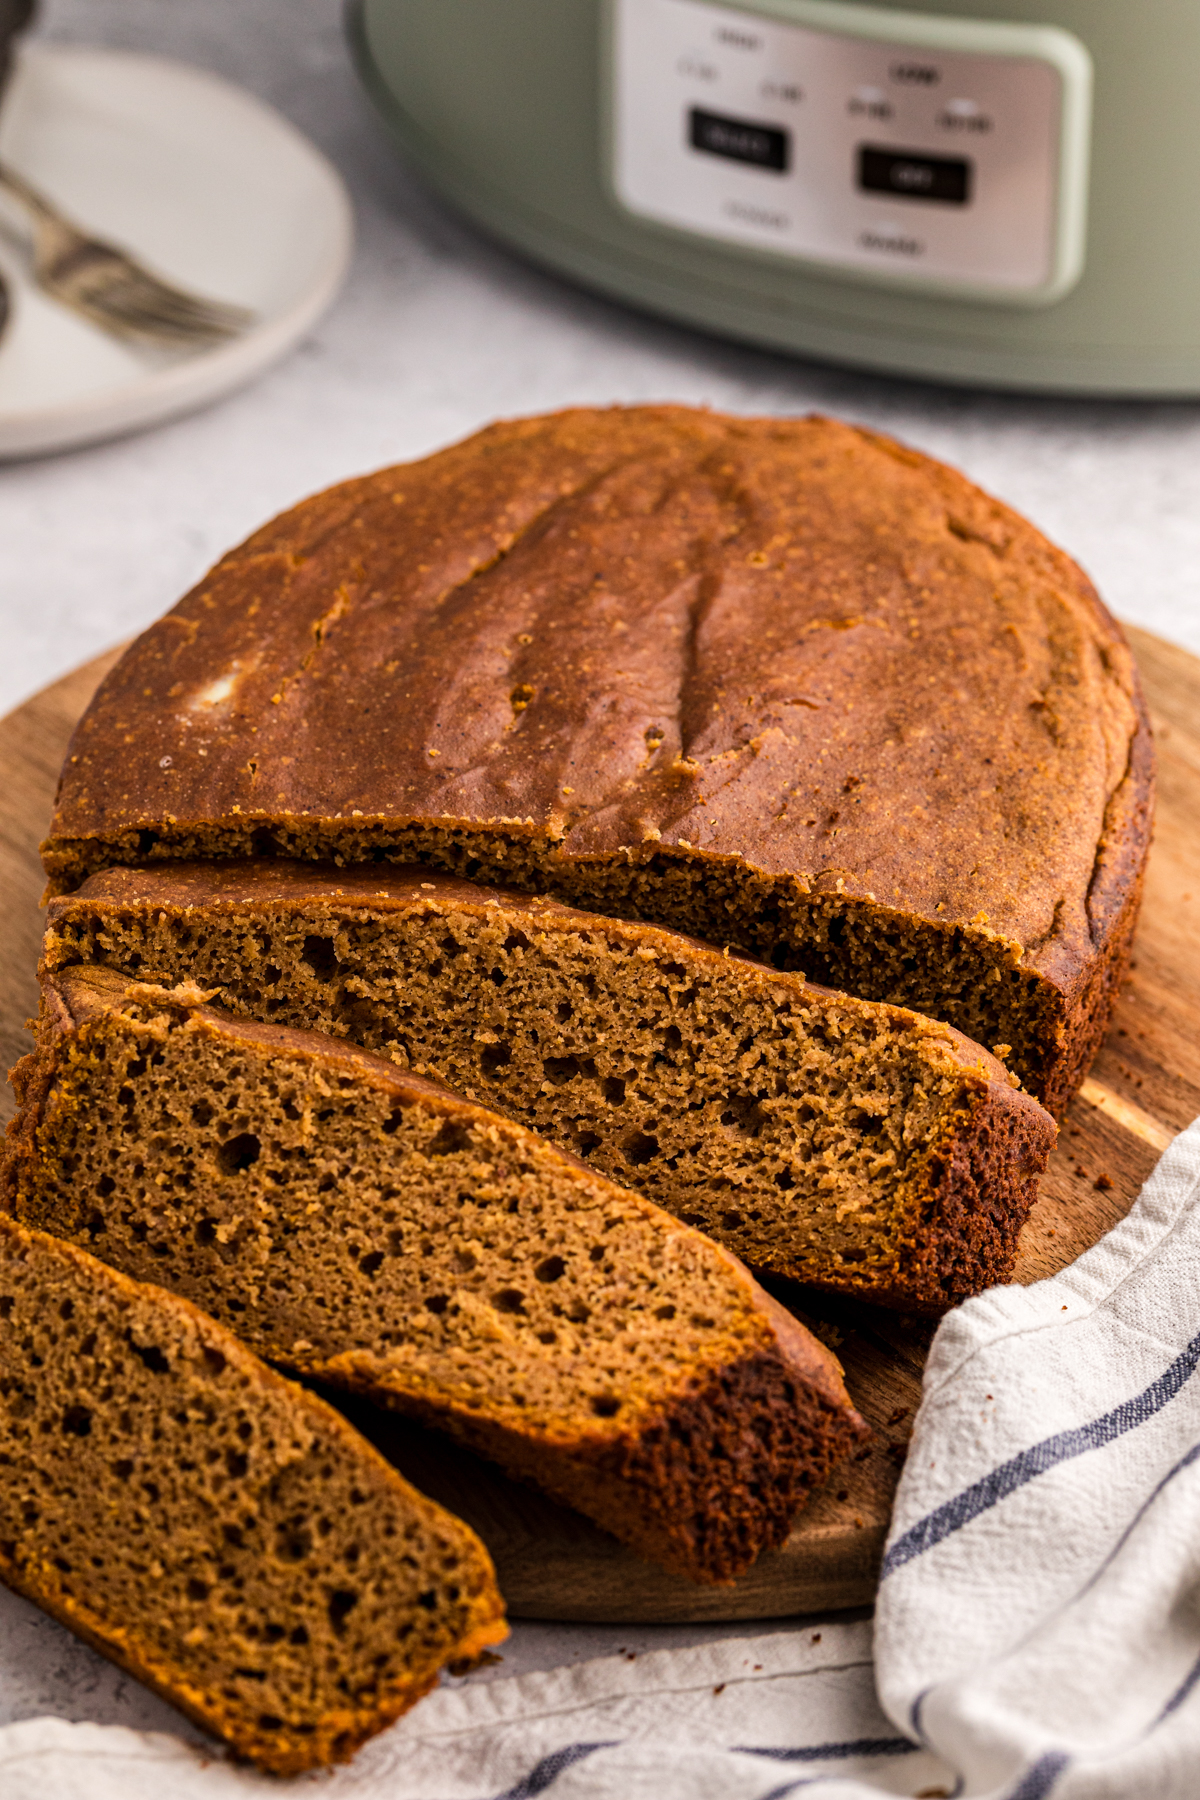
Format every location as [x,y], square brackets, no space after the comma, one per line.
[1002,196]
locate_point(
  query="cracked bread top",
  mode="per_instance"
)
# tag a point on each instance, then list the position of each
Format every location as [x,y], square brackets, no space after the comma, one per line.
[607,638]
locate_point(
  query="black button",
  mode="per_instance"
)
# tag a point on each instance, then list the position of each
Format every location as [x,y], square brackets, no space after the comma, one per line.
[741,140]
[914,176]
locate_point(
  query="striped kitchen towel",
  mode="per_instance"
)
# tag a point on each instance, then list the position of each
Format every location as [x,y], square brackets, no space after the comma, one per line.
[1038,1627]
[1039,1615]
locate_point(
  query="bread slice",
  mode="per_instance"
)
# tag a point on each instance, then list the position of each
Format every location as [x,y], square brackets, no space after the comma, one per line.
[368,1228]
[839,1142]
[216,1530]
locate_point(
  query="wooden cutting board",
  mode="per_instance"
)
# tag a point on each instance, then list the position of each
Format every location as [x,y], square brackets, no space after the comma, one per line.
[1144,1087]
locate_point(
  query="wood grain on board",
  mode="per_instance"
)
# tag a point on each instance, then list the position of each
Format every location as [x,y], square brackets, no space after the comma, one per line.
[1144,1086]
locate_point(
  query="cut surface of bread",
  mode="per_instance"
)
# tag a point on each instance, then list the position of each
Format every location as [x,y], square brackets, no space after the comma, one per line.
[779,683]
[837,1142]
[370,1229]
[216,1530]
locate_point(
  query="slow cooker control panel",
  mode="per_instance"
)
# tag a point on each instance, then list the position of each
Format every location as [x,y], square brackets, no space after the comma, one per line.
[944,153]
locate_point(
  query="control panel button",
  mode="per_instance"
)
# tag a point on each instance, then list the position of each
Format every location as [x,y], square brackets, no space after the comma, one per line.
[916,177]
[741,140]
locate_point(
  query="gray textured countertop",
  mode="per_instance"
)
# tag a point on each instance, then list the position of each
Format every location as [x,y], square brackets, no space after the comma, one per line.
[437,332]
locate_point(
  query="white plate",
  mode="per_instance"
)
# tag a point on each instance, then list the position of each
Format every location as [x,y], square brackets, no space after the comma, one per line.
[209,187]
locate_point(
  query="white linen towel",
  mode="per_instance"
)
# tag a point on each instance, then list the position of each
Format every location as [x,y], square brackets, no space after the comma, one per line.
[1037,1632]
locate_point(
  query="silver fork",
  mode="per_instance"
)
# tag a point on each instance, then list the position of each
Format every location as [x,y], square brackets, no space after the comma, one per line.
[111,288]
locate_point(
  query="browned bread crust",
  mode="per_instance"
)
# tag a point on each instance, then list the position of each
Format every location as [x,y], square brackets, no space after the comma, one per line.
[839,1142]
[217,1531]
[780,683]
[370,1229]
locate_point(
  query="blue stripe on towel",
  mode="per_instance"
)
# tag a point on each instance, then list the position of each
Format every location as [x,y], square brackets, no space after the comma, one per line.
[1037,1781]
[550,1768]
[893,1746]
[1181,1693]
[945,1520]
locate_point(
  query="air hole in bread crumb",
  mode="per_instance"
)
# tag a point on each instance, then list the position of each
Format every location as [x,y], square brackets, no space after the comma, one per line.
[605,1406]
[614,1090]
[78,1421]
[640,1148]
[319,955]
[560,1069]
[495,1057]
[237,1153]
[551,1269]
[509,1300]
[451,1139]
[151,1355]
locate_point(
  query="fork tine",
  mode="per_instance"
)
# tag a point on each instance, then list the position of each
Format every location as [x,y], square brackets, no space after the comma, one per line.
[133,298]
[111,288]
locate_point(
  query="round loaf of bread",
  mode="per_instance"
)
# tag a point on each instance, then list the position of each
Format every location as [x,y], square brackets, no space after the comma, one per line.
[779,683]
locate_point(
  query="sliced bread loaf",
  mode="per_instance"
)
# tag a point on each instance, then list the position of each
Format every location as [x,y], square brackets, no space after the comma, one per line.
[781,683]
[214,1529]
[369,1228]
[841,1142]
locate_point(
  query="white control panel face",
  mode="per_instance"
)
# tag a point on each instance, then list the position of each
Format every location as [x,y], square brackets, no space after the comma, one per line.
[914,160]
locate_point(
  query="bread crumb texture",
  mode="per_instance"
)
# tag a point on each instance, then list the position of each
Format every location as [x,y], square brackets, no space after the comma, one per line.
[833,1141]
[780,683]
[368,1228]
[217,1531]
